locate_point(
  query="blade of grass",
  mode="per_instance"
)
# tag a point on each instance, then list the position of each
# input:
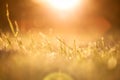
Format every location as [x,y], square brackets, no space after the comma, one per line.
[15,32]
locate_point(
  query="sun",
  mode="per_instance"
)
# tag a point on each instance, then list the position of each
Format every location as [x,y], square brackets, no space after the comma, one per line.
[63,4]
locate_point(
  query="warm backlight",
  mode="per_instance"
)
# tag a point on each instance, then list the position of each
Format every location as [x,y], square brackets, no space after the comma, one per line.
[63,4]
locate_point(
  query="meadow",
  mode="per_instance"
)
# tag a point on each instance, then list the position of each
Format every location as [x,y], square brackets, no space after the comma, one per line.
[36,56]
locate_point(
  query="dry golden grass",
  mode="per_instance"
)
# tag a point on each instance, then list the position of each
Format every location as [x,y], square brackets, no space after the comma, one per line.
[33,56]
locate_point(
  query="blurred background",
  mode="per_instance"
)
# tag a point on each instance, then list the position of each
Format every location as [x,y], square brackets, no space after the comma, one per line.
[34,56]
[33,15]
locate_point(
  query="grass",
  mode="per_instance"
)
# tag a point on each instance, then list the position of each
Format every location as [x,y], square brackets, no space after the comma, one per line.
[42,56]
[33,56]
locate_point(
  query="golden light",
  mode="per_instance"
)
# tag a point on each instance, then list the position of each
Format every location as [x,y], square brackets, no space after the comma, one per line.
[76,18]
[63,4]
[60,4]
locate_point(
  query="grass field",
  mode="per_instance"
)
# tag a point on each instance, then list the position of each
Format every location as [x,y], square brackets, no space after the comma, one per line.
[34,56]
[37,56]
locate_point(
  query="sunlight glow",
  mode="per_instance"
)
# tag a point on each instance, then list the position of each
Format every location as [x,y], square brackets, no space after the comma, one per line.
[63,4]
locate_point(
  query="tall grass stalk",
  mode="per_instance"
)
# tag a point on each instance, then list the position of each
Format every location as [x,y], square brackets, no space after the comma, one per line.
[15,32]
